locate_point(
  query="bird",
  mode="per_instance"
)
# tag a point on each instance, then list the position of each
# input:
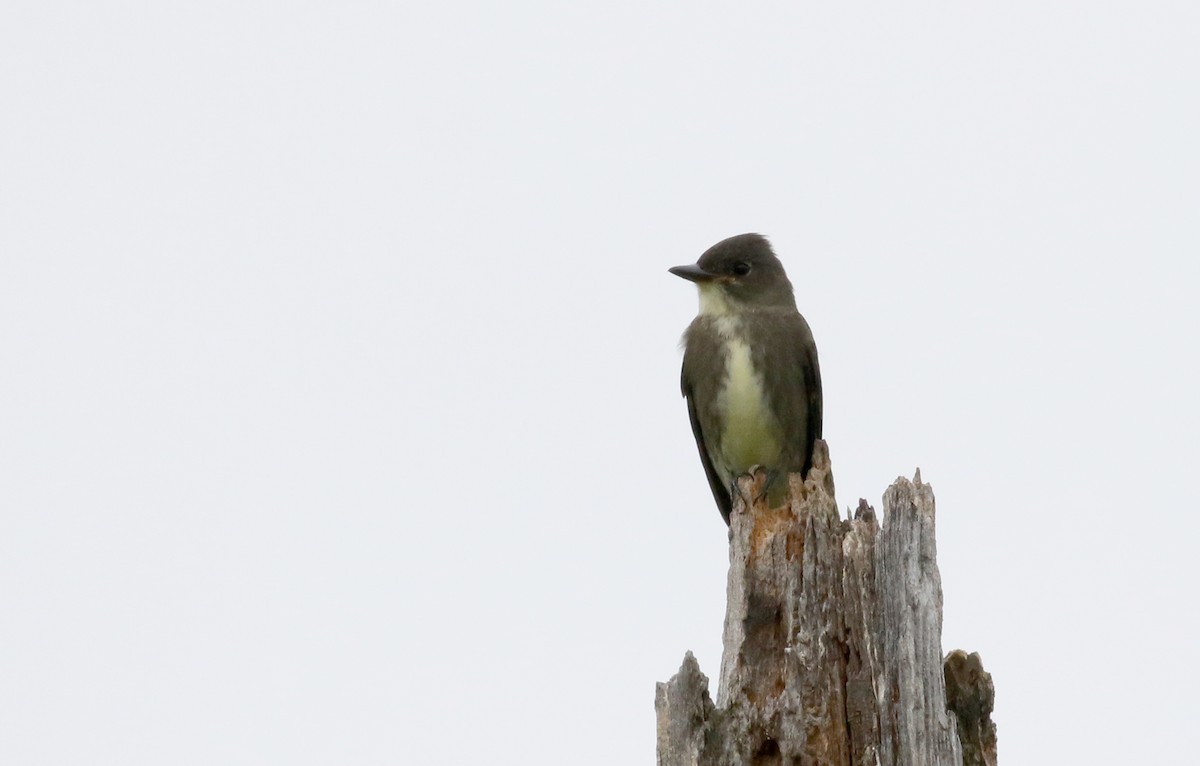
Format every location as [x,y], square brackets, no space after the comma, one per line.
[750,371]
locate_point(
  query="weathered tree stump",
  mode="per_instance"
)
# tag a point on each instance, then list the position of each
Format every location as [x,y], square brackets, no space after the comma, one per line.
[832,640]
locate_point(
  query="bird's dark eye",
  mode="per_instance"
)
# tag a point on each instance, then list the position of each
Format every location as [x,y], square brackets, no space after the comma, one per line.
[741,269]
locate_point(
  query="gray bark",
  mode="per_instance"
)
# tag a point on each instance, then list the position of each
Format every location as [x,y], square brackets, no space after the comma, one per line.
[832,639]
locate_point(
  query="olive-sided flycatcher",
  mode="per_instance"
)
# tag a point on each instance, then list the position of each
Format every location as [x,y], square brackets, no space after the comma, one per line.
[750,370]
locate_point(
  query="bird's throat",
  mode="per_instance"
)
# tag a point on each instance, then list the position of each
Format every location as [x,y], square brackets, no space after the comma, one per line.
[714,302]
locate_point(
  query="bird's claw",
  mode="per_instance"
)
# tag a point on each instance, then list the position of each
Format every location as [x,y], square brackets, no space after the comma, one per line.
[760,489]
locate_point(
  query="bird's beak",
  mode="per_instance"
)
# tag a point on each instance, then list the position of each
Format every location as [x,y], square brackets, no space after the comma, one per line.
[693,273]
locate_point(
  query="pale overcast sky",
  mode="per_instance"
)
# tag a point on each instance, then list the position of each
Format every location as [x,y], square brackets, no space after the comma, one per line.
[340,419]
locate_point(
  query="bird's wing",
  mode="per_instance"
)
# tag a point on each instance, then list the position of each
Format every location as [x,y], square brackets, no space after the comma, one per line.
[792,340]
[719,490]
[694,383]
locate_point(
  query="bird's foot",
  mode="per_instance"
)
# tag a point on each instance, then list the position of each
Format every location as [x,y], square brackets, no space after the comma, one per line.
[768,488]
[762,481]
[737,489]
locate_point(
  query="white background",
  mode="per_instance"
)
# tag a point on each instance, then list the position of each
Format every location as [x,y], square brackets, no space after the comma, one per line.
[339,410]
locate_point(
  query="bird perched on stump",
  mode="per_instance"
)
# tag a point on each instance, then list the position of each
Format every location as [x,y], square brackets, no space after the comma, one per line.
[750,371]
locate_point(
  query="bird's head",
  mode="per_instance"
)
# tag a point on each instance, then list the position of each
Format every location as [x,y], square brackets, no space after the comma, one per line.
[739,274]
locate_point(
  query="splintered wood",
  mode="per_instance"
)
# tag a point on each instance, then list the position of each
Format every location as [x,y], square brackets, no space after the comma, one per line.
[832,639]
